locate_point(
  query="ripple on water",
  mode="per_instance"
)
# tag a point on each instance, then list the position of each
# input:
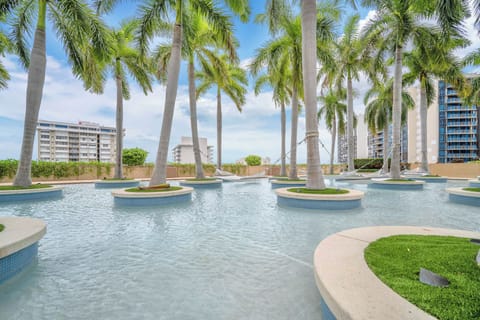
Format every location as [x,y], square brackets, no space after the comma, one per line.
[231,253]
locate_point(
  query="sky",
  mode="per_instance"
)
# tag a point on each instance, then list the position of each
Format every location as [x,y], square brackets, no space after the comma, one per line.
[256,130]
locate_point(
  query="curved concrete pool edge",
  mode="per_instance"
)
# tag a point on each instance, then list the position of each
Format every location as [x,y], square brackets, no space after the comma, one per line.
[19,244]
[350,289]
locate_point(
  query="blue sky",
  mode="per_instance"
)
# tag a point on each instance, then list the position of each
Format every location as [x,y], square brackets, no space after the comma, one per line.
[254,131]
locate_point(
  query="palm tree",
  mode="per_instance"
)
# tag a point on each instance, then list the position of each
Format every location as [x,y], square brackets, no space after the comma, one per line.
[287,48]
[123,58]
[378,112]
[5,46]
[333,110]
[428,60]
[396,23]
[228,78]
[200,41]
[76,25]
[151,14]
[278,79]
[352,58]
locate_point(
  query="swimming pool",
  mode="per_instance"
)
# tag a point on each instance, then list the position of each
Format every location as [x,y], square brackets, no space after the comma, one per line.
[231,253]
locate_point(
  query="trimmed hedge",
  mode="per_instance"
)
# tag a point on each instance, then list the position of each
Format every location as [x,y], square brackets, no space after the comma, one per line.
[8,168]
[376,163]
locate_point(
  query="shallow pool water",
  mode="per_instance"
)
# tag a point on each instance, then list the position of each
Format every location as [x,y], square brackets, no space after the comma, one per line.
[231,253]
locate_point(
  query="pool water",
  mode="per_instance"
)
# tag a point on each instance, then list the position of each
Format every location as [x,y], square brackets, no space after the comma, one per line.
[231,253]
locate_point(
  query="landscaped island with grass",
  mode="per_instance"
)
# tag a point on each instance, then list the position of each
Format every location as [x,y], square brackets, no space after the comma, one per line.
[318,191]
[33,186]
[397,260]
[2,227]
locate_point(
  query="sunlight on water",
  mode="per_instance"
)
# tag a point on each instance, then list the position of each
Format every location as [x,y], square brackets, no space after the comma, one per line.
[231,253]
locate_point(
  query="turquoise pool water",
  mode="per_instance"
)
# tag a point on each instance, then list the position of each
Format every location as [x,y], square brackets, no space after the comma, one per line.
[231,253]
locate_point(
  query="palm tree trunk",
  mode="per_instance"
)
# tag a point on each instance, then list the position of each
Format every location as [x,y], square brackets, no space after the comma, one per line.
[386,136]
[193,120]
[309,65]
[397,113]
[350,137]
[219,129]
[35,82]
[293,136]
[283,167]
[423,125]
[119,133]
[160,171]
[334,138]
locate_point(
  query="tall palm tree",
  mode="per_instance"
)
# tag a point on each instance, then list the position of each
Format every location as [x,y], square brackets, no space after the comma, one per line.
[76,24]
[286,47]
[152,13]
[352,58]
[199,43]
[278,79]
[333,110]
[429,60]
[123,58]
[228,78]
[396,23]
[378,113]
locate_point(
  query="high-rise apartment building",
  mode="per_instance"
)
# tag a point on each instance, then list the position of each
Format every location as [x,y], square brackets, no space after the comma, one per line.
[360,142]
[458,133]
[82,141]
[376,143]
[183,152]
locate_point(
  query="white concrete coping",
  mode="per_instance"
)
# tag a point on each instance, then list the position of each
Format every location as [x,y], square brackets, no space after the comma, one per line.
[348,286]
[159,194]
[28,191]
[386,181]
[351,195]
[461,192]
[202,181]
[289,181]
[19,233]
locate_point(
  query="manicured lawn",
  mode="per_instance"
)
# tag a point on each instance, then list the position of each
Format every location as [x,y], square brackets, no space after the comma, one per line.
[117,179]
[367,170]
[136,189]
[318,191]
[203,179]
[2,227]
[397,260]
[472,189]
[33,186]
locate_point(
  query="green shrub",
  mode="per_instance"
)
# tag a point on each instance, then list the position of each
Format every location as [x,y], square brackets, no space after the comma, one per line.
[253,160]
[134,156]
[374,163]
[235,168]
[8,168]
[2,227]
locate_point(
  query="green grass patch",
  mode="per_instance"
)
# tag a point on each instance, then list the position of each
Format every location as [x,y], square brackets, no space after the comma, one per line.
[318,191]
[202,179]
[136,189]
[367,170]
[1,227]
[33,186]
[117,179]
[472,189]
[397,260]
[431,176]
